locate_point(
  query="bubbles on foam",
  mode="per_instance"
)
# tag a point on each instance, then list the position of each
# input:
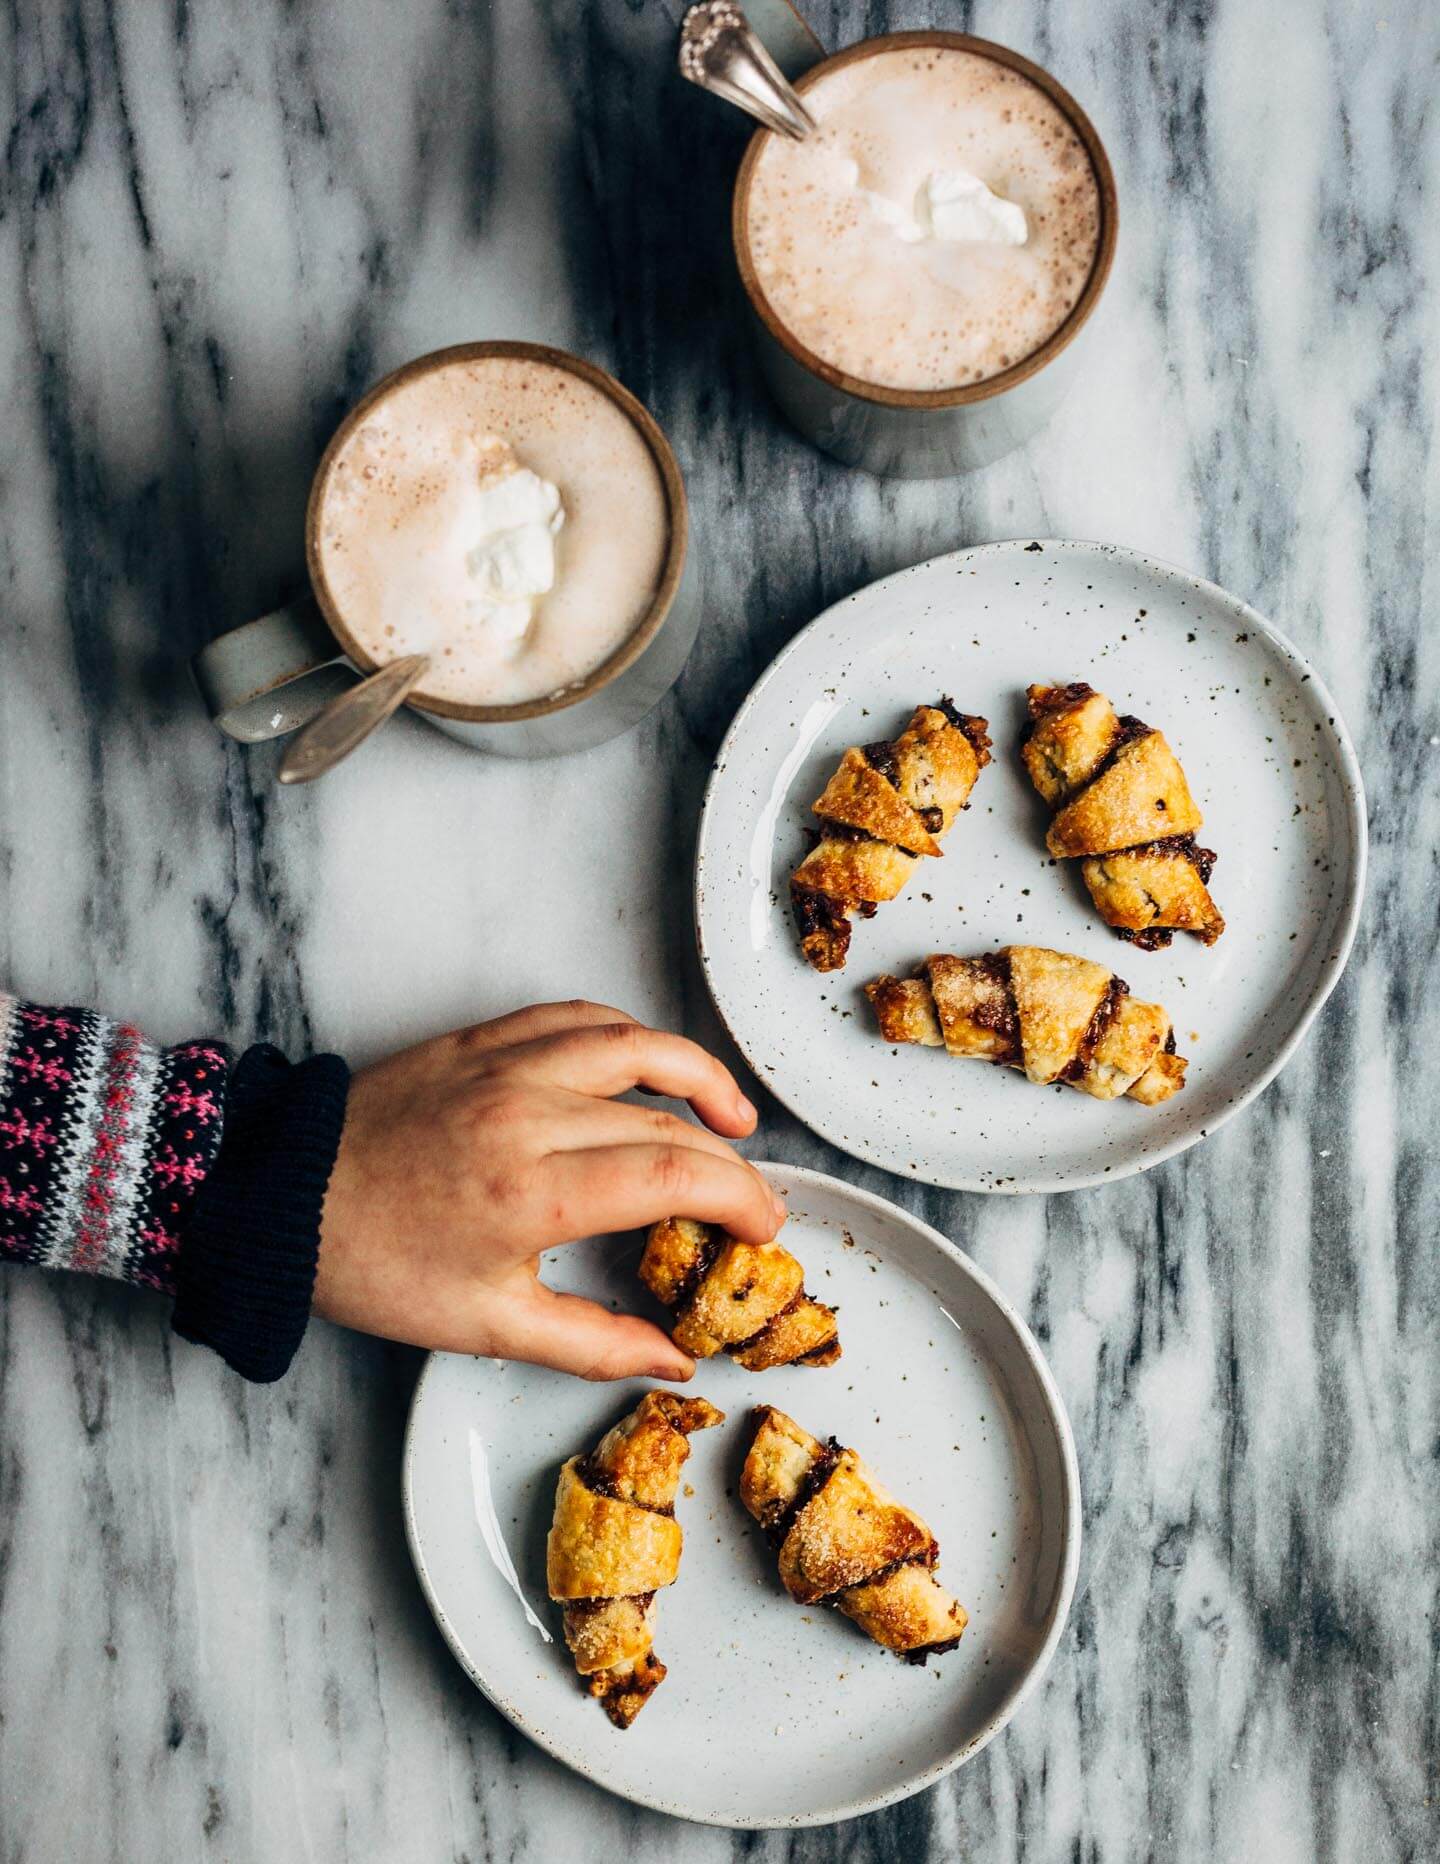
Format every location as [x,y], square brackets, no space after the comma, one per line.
[393,545]
[925,314]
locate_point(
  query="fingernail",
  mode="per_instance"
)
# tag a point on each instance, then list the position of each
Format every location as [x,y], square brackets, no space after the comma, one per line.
[745,1110]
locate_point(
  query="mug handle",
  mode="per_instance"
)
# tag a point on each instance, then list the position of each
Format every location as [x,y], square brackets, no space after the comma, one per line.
[273,675]
[785,35]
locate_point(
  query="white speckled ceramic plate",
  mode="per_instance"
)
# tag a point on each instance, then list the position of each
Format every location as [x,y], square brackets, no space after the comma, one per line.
[1267,757]
[770,1715]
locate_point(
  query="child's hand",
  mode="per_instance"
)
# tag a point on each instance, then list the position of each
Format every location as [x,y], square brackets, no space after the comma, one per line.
[465,1157]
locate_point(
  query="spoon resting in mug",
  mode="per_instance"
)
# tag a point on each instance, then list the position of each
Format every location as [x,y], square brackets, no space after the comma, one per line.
[720,52]
[349,720]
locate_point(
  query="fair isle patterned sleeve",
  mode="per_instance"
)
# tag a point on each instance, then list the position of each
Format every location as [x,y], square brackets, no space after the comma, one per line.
[105,1141]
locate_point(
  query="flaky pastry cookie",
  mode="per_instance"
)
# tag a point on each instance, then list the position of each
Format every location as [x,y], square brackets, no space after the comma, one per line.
[615,1542]
[744,1299]
[887,806]
[1054,1016]
[1124,810]
[845,1541]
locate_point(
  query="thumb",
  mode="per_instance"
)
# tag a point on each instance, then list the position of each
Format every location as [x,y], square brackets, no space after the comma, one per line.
[575,1335]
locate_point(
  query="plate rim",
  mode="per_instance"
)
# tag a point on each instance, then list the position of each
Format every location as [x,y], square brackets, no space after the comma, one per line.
[1072,1529]
[1331,970]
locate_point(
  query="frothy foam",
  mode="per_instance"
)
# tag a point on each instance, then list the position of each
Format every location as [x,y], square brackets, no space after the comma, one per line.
[858,275]
[501,515]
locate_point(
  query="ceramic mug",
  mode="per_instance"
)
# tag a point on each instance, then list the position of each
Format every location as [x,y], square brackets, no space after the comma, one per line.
[273,675]
[912,433]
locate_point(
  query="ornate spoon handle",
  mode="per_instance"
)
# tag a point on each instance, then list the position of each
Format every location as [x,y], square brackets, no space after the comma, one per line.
[720,52]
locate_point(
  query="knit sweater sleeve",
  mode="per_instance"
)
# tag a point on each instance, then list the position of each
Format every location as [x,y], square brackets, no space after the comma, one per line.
[104,1141]
[171,1169]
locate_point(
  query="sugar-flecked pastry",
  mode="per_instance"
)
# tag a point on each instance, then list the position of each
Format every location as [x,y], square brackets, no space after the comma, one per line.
[1124,810]
[1052,1015]
[887,805]
[615,1542]
[745,1299]
[845,1541]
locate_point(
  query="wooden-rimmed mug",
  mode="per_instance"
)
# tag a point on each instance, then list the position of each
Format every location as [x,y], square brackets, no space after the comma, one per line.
[271,676]
[913,433]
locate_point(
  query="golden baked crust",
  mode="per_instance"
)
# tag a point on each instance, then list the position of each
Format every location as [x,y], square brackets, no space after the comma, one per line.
[906,1010]
[844,1540]
[1073,730]
[805,1333]
[1056,1017]
[850,1529]
[600,1548]
[1124,809]
[1137,889]
[860,797]
[887,806]
[1056,995]
[1140,796]
[746,1299]
[614,1542]
[907,1610]
[779,1460]
[972,1006]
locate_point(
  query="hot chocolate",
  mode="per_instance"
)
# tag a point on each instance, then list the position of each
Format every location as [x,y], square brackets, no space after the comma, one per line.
[937,229]
[502,514]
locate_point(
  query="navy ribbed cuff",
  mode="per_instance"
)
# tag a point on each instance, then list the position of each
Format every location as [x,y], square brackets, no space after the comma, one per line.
[247,1261]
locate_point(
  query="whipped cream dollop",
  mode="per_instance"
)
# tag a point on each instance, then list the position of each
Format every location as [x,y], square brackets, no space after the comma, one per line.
[510,519]
[950,204]
[956,205]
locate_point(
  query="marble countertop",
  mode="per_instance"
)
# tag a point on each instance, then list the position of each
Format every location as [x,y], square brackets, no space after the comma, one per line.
[217,224]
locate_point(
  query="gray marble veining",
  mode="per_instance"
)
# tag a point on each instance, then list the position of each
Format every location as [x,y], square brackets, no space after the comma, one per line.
[218,223]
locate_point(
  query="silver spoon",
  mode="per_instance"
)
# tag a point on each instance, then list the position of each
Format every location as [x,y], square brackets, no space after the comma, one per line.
[720,52]
[349,720]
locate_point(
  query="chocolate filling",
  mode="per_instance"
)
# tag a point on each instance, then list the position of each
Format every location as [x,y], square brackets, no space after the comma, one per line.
[587,1608]
[704,1261]
[881,757]
[933,818]
[844,831]
[799,1300]
[1130,730]
[1180,848]
[977,730]
[816,1476]
[847,831]
[1151,938]
[601,1482]
[1106,1010]
[922,1651]
[821,913]
[881,1572]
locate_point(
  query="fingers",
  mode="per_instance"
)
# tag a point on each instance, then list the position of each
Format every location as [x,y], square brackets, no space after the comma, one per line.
[594,1123]
[542,1019]
[574,1335]
[629,1187]
[612,1058]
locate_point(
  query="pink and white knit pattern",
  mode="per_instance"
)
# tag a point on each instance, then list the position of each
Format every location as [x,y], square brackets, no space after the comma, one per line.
[104,1142]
